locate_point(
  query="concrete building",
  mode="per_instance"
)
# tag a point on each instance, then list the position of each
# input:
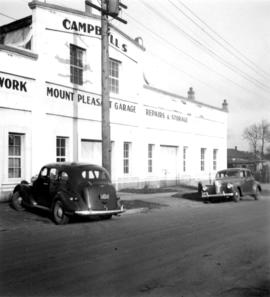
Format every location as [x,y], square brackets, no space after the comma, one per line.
[50,106]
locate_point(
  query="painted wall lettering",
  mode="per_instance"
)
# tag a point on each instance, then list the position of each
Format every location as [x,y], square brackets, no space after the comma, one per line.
[165,115]
[13,84]
[91,29]
[87,99]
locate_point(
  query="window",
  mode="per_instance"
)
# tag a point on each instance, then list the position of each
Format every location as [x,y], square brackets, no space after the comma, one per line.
[203,150]
[150,157]
[126,157]
[114,76]
[53,174]
[14,155]
[76,64]
[61,149]
[185,158]
[215,151]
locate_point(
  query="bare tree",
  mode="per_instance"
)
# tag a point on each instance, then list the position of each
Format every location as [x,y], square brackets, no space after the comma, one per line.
[258,135]
[252,135]
[264,135]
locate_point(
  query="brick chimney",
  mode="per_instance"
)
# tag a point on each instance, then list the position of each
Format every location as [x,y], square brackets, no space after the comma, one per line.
[225,105]
[191,94]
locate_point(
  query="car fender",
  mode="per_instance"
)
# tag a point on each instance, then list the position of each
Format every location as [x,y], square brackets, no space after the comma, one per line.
[25,190]
[255,186]
[69,205]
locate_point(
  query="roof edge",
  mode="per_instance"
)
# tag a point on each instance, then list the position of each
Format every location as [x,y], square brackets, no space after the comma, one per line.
[182,97]
[24,22]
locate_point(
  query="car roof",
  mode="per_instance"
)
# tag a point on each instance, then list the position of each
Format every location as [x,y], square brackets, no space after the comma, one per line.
[75,165]
[234,169]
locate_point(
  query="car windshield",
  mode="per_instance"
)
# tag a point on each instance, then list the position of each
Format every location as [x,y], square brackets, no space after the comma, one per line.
[227,173]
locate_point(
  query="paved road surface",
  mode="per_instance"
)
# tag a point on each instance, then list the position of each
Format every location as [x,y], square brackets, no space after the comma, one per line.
[185,249]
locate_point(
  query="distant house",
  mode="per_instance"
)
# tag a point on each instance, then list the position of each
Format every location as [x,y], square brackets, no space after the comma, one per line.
[259,167]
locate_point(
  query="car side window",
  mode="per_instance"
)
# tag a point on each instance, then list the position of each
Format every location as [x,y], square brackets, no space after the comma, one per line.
[53,174]
[63,176]
[242,174]
[44,172]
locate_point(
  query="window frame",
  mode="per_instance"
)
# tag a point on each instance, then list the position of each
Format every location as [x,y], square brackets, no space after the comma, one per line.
[61,157]
[150,153]
[77,61]
[185,149]
[215,154]
[114,75]
[15,172]
[126,157]
[203,157]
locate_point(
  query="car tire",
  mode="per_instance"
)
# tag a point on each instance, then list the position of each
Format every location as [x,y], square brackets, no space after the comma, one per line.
[17,201]
[257,194]
[236,196]
[58,213]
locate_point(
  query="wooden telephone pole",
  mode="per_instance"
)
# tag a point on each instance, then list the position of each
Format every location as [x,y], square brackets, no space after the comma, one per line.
[105,113]
[108,8]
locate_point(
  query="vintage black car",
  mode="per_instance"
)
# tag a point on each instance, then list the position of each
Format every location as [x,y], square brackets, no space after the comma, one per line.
[68,189]
[232,183]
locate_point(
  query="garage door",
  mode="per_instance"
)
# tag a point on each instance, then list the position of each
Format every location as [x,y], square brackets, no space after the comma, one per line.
[168,165]
[91,151]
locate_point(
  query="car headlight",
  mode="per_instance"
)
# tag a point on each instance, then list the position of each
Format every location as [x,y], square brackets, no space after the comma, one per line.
[229,186]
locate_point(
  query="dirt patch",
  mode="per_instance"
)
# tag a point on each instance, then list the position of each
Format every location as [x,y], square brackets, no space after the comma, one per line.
[131,204]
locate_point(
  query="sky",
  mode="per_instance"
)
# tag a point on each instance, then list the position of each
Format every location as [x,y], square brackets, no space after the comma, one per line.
[221,48]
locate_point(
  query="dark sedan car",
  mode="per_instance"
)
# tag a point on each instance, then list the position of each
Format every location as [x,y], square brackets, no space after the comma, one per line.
[68,189]
[232,183]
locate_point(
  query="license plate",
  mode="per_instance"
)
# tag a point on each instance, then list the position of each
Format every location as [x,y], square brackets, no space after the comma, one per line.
[104,196]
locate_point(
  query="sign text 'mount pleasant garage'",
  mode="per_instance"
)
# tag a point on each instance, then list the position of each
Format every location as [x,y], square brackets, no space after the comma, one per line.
[87,99]
[96,101]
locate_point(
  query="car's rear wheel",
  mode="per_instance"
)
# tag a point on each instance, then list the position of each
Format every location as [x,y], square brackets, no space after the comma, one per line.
[17,201]
[257,194]
[236,196]
[58,212]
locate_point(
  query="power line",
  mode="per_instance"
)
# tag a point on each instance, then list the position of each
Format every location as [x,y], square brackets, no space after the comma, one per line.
[238,56]
[210,51]
[189,56]
[224,40]
[7,16]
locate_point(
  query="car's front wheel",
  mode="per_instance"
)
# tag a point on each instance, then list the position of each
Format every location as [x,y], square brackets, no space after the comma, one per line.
[58,212]
[17,201]
[236,196]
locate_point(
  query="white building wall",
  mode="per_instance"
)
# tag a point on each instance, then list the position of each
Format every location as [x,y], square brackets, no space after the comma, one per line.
[52,106]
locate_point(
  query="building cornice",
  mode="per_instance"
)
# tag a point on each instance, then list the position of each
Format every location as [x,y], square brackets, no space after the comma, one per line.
[19,51]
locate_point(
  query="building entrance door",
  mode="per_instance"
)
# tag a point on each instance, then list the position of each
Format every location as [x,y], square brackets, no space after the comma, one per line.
[168,165]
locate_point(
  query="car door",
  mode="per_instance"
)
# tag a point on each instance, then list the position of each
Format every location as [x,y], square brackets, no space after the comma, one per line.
[41,186]
[249,180]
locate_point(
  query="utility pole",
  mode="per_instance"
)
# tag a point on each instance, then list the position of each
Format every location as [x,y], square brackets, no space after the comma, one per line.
[108,8]
[105,114]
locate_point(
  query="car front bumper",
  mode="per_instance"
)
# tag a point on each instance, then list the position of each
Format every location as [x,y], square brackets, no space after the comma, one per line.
[205,195]
[99,212]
